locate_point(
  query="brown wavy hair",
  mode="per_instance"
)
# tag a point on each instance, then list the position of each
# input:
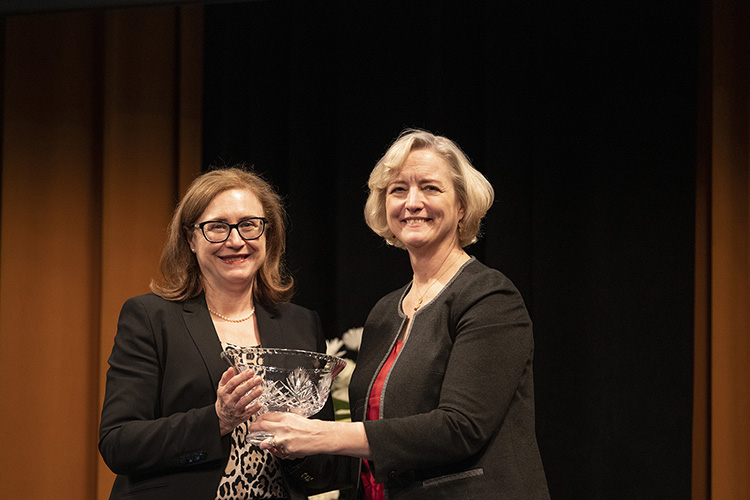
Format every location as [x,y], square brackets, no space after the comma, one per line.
[181,275]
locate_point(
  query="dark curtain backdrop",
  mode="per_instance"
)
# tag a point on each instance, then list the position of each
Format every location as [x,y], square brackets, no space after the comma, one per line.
[581,114]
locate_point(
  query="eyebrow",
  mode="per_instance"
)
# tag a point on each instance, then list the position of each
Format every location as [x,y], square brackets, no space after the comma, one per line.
[224,219]
[422,182]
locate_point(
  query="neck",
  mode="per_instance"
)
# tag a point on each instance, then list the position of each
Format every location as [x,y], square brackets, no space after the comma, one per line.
[230,303]
[430,275]
[429,265]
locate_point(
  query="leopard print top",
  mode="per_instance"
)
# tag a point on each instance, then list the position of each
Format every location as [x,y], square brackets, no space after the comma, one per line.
[250,473]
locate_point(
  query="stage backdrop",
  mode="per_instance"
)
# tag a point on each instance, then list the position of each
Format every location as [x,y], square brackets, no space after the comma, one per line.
[589,119]
[101,128]
[582,115]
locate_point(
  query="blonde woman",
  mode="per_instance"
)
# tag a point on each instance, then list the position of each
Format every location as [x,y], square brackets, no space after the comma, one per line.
[442,398]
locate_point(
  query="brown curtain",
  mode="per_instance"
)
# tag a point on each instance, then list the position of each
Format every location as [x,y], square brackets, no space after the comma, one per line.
[101,132]
[721,452]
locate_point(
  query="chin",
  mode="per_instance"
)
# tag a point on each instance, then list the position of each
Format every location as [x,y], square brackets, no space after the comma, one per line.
[239,277]
[414,243]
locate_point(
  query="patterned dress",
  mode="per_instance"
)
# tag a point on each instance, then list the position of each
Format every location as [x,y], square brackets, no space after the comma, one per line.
[250,473]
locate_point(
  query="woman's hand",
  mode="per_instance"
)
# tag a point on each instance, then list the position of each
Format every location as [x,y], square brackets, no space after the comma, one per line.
[295,436]
[235,398]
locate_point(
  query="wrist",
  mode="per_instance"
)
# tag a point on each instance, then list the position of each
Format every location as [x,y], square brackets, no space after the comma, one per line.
[224,427]
[348,438]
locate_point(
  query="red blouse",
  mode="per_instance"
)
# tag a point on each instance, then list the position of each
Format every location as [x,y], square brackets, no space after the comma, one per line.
[373,489]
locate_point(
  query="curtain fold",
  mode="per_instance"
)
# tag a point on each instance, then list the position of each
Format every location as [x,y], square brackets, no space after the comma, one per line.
[730,253]
[101,133]
[721,448]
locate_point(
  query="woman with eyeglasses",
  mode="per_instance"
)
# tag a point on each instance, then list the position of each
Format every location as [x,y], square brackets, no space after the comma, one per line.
[175,419]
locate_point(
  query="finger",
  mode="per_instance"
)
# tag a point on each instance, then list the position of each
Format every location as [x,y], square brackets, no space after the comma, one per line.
[239,385]
[272,416]
[239,378]
[230,379]
[250,404]
[274,447]
[265,445]
[249,390]
[226,376]
[256,425]
[281,452]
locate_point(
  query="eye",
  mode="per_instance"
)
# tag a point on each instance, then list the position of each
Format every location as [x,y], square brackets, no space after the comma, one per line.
[216,226]
[396,190]
[433,188]
[249,224]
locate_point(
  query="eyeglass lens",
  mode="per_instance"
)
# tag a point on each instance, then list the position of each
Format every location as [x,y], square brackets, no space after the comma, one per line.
[219,231]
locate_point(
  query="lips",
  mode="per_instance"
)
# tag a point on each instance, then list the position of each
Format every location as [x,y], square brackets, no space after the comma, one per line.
[233,258]
[413,221]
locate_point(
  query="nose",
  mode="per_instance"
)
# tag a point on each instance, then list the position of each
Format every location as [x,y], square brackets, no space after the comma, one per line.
[414,201]
[234,237]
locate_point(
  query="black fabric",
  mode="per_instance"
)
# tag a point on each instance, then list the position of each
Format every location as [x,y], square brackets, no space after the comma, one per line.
[457,408]
[159,430]
[583,117]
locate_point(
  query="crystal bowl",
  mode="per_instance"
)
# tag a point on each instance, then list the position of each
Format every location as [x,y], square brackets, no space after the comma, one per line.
[294,381]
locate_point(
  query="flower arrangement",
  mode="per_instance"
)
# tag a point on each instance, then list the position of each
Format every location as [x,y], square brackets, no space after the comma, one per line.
[347,347]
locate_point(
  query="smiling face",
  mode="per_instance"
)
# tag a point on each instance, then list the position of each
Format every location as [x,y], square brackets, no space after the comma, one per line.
[421,204]
[231,264]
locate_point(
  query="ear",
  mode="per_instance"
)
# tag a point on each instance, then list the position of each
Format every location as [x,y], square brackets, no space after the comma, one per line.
[190,237]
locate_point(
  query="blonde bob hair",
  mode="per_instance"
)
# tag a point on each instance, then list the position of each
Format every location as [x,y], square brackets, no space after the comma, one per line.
[182,277]
[473,192]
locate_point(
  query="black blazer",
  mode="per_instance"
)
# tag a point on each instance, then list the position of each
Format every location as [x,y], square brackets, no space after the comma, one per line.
[457,408]
[159,429]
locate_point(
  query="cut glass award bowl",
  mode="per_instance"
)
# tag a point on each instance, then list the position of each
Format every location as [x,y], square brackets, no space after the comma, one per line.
[294,381]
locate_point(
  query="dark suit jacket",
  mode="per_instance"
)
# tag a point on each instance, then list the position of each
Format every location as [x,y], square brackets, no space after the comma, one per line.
[457,408]
[159,429]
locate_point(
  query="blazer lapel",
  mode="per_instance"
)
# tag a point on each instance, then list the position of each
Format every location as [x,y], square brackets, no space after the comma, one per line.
[201,329]
[269,327]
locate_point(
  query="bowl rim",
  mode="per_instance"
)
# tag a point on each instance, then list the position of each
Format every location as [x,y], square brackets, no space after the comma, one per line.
[339,361]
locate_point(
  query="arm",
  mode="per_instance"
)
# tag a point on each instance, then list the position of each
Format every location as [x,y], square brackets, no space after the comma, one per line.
[296,436]
[159,413]
[487,371]
[488,364]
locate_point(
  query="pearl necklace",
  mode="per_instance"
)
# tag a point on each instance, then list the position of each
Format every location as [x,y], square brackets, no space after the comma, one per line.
[231,320]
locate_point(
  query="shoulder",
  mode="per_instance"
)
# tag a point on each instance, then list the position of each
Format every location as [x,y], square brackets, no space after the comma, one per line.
[152,302]
[292,326]
[487,291]
[292,311]
[155,310]
[290,317]
[480,277]
[149,301]
[388,301]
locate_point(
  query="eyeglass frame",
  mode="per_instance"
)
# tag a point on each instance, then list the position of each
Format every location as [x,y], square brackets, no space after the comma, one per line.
[236,226]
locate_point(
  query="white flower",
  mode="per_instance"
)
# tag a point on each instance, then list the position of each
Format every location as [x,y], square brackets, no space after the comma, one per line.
[342,394]
[340,389]
[334,347]
[352,338]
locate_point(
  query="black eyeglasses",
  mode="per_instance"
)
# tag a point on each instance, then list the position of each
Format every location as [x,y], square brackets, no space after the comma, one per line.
[216,231]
